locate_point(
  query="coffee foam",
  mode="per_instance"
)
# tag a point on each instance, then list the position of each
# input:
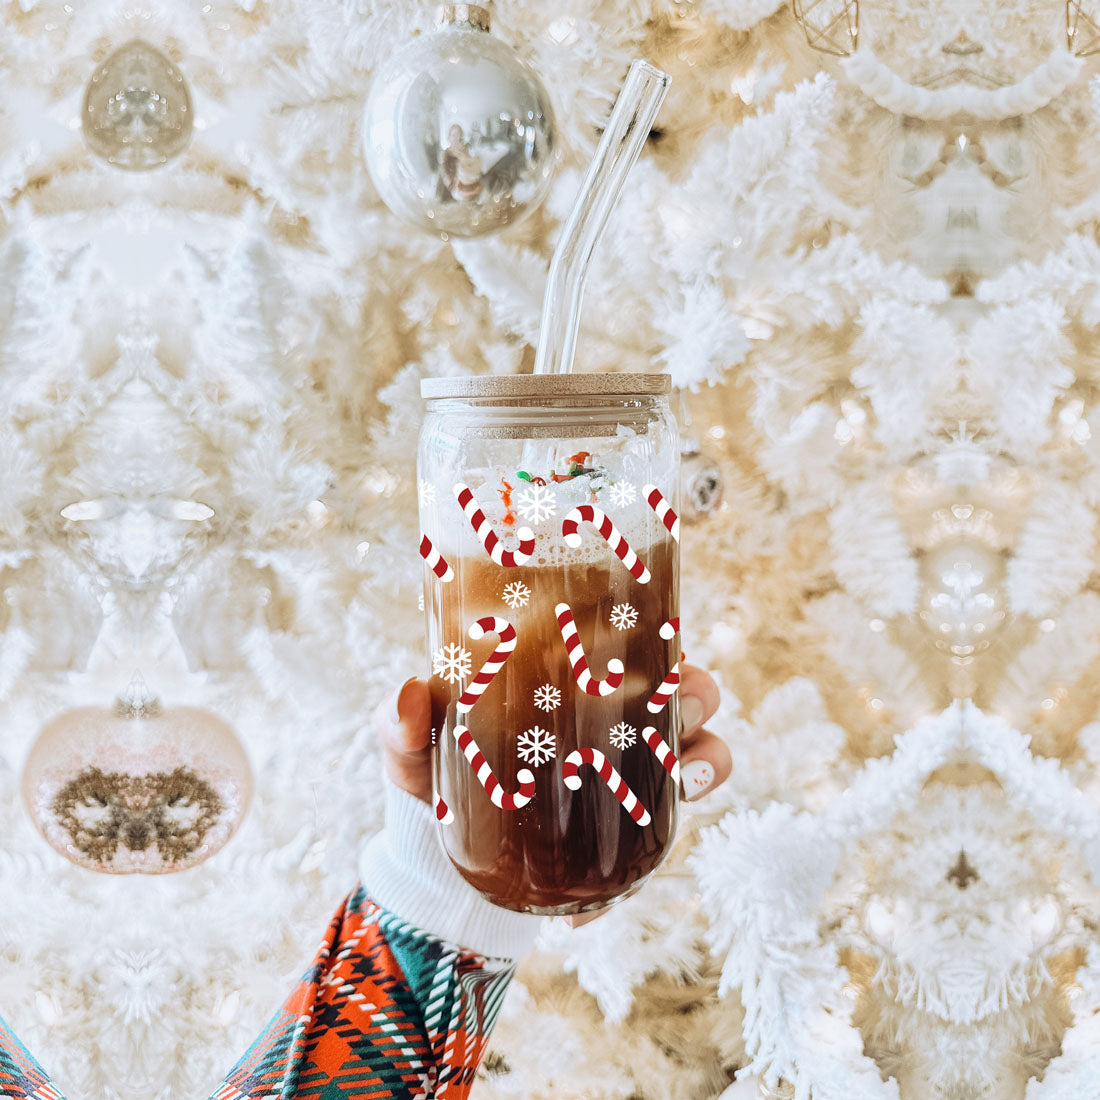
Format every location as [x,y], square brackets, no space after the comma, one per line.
[551,551]
[454,536]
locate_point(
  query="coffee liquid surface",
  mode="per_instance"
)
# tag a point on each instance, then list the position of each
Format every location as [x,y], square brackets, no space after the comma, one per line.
[565,851]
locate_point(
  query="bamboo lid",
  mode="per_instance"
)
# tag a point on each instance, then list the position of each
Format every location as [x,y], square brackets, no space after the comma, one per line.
[547,386]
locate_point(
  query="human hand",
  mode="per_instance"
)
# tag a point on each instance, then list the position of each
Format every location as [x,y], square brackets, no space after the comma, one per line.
[406,733]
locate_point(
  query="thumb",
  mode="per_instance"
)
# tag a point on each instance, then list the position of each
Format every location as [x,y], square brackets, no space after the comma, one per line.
[405,730]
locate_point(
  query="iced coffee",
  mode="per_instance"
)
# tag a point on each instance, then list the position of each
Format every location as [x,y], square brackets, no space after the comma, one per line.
[551,567]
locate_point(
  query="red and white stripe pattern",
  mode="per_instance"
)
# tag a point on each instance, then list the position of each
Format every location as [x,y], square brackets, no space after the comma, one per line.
[484,531]
[589,513]
[491,624]
[666,689]
[665,756]
[663,509]
[436,561]
[609,775]
[575,649]
[484,772]
[443,813]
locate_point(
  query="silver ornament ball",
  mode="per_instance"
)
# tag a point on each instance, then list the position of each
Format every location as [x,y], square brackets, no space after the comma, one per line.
[458,132]
[137,109]
[700,485]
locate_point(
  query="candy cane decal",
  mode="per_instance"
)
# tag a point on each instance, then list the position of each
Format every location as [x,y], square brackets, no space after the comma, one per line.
[507,632]
[667,688]
[484,772]
[443,813]
[665,756]
[589,513]
[575,649]
[609,775]
[436,561]
[663,509]
[484,531]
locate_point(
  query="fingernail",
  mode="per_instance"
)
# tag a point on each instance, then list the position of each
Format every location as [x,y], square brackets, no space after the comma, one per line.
[691,710]
[696,778]
[395,702]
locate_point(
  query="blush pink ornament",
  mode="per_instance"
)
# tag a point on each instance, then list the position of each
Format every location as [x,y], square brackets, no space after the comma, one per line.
[137,789]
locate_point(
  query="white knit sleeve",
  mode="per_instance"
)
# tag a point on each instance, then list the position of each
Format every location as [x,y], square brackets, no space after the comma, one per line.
[406,871]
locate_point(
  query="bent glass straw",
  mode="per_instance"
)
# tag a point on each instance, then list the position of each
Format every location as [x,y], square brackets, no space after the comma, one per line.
[627,129]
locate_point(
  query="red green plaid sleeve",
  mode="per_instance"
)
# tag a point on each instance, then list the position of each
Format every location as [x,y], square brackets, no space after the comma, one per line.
[21,1077]
[384,1011]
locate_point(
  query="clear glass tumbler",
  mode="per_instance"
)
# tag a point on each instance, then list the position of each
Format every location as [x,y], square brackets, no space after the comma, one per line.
[550,541]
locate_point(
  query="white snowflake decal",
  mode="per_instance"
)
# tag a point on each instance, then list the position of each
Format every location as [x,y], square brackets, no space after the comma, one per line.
[516,594]
[623,736]
[536,503]
[452,662]
[426,492]
[623,616]
[547,698]
[622,493]
[536,746]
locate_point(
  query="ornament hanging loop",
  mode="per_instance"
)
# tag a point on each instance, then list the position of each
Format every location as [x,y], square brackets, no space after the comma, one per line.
[137,701]
[475,15]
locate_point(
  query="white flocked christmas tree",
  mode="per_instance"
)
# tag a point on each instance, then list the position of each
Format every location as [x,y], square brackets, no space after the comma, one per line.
[872,279]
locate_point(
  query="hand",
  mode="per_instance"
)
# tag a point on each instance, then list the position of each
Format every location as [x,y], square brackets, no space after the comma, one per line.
[406,733]
[407,737]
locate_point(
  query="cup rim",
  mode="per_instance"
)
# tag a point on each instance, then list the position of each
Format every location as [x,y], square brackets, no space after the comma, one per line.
[547,385]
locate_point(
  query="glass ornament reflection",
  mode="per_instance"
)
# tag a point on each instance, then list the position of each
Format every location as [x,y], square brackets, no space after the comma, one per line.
[137,788]
[137,112]
[962,596]
[459,132]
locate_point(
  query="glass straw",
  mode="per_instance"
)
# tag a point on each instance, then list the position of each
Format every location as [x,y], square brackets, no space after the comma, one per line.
[627,129]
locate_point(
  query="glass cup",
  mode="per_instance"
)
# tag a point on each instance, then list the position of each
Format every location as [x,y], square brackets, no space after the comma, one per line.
[550,541]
